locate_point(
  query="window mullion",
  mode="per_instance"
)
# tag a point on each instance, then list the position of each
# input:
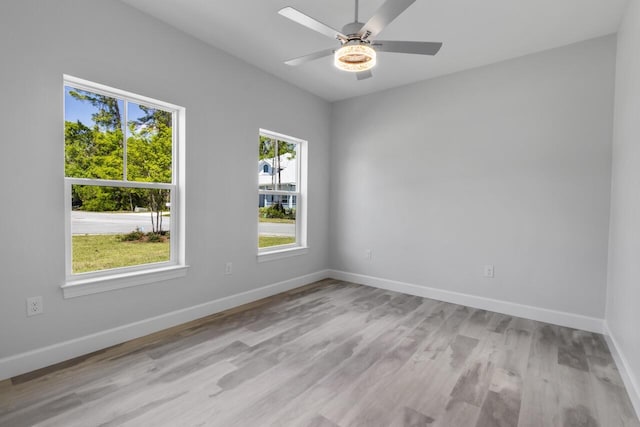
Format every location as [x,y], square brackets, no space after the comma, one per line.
[67,228]
[117,183]
[276,159]
[124,139]
[278,193]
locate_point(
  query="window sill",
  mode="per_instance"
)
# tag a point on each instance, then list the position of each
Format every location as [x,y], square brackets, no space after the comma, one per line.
[94,285]
[282,253]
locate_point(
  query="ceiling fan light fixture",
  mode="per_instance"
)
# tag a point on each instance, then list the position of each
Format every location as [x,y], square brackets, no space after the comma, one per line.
[355,57]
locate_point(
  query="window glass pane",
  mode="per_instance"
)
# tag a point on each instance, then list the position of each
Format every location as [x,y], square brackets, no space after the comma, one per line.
[276,220]
[93,135]
[115,227]
[149,144]
[277,165]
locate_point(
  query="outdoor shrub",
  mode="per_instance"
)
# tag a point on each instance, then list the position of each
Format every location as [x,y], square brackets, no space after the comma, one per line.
[274,211]
[154,238]
[277,211]
[133,236]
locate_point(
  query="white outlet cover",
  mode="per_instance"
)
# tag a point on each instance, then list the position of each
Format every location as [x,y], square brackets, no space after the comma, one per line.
[34,306]
[488,270]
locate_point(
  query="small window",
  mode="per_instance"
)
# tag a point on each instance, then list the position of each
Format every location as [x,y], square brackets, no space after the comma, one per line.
[121,180]
[281,207]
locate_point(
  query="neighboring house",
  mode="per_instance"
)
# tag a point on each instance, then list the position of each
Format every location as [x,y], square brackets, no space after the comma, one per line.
[270,179]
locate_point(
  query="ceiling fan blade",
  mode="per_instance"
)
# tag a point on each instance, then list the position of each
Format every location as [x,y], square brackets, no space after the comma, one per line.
[383,17]
[310,57]
[313,24]
[420,48]
[364,75]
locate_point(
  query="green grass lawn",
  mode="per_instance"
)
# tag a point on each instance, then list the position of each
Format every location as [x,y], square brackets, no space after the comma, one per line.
[266,241]
[101,252]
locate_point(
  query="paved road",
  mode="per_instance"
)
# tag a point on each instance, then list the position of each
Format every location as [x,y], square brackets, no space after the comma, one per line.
[112,223]
[276,229]
[115,223]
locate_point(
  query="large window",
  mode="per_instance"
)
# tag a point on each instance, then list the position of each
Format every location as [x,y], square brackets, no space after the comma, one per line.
[122,183]
[281,193]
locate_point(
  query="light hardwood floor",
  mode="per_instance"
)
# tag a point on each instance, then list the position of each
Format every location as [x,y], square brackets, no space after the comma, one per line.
[334,354]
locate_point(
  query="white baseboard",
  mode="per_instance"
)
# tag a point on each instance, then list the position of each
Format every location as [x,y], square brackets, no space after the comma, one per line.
[46,356]
[631,381]
[577,321]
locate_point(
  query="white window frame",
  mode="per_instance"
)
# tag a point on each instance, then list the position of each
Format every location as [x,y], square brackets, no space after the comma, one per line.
[78,284]
[300,246]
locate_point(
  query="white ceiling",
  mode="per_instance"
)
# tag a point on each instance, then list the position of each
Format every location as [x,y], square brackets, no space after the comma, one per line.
[474,33]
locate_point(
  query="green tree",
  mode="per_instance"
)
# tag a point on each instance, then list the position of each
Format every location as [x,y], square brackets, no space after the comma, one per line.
[98,152]
[274,149]
[270,148]
[149,158]
[79,147]
[108,114]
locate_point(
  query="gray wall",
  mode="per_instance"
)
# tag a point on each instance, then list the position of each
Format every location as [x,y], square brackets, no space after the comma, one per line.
[623,315]
[226,100]
[507,164]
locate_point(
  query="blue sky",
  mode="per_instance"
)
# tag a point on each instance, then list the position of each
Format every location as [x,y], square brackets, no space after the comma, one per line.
[78,110]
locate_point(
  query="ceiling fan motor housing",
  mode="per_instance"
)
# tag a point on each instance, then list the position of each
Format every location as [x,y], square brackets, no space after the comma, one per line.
[352,30]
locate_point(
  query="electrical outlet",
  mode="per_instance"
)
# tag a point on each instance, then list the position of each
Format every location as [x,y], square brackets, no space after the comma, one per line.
[34,306]
[488,270]
[368,254]
[228,269]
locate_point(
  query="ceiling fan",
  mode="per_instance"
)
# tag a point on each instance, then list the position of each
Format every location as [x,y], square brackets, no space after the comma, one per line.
[357,52]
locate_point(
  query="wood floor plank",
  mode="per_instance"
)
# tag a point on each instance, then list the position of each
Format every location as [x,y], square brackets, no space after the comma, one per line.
[334,354]
[576,398]
[540,400]
[457,413]
[501,406]
[473,383]
[476,325]
[80,395]
[290,360]
[371,342]
[412,418]
[429,369]
[540,403]
[354,368]
[319,421]
[383,371]
[473,378]
[41,391]
[7,401]
[613,406]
